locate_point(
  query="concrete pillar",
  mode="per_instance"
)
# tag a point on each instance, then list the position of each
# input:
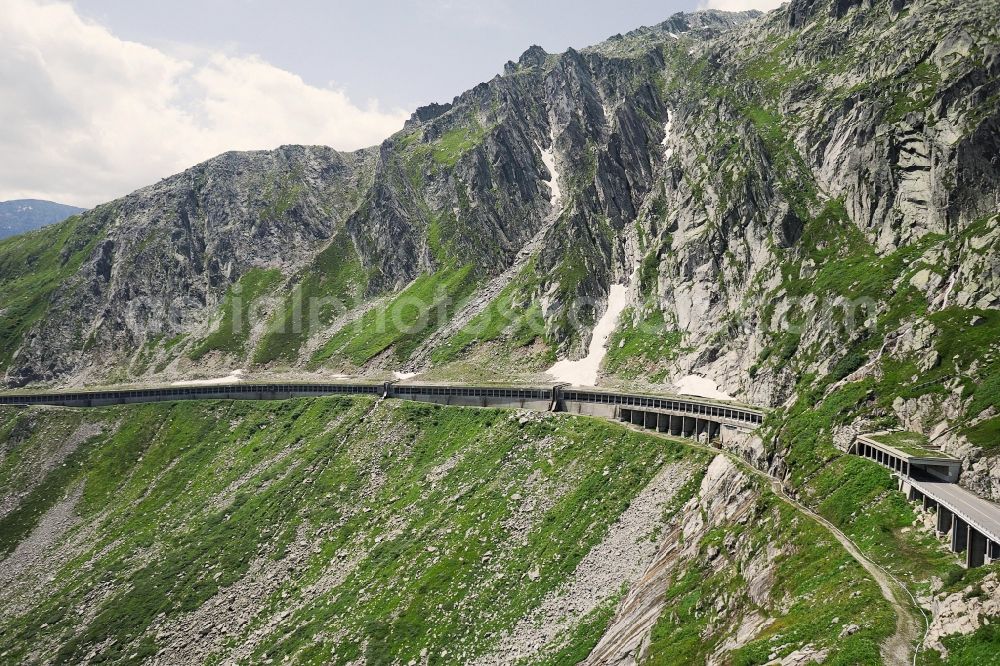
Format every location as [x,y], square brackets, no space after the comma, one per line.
[975,556]
[914,495]
[662,422]
[959,534]
[649,420]
[687,426]
[676,424]
[992,551]
[713,431]
[944,519]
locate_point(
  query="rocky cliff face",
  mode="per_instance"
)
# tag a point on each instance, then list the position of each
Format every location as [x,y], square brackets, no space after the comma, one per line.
[464,186]
[801,203]
[960,613]
[719,588]
[846,161]
[152,265]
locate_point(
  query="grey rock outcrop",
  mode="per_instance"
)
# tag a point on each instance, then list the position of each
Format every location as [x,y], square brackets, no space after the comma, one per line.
[963,612]
[168,253]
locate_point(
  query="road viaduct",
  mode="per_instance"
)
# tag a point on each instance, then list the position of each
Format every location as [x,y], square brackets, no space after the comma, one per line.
[930,478]
[680,415]
[974,523]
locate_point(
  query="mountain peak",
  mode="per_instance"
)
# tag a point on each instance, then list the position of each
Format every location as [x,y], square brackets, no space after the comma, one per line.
[534,56]
[707,19]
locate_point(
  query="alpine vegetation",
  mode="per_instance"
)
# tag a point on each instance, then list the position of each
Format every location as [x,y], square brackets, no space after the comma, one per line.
[681,348]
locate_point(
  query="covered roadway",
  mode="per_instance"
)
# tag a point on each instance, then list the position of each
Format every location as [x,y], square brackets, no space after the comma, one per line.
[931,478]
[682,415]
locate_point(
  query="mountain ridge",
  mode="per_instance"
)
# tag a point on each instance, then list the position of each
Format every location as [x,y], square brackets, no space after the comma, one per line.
[775,199]
[801,207]
[18,216]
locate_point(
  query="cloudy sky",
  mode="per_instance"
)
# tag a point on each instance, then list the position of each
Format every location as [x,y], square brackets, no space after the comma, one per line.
[100,97]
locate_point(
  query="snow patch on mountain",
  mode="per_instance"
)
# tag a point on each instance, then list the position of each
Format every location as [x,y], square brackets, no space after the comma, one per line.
[549,159]
[667,150]
[701,387]
[234,377]
[584,371]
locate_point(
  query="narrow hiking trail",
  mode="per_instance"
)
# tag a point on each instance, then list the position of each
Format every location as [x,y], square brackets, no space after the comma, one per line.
[898,648]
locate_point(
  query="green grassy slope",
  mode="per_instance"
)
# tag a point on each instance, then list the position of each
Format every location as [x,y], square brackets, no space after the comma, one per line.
[816,586]
[186,499]
[237,313]
[325,289]
[33,266]
[326,530]
[402,323]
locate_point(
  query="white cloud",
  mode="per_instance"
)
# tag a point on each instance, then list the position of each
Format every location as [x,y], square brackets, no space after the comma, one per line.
[87,116]
[741,5]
